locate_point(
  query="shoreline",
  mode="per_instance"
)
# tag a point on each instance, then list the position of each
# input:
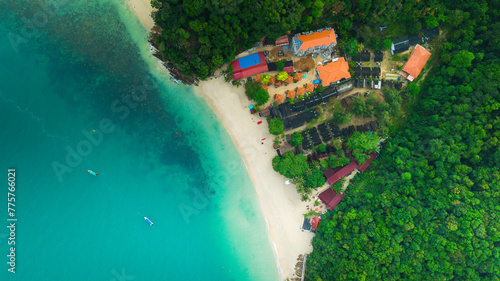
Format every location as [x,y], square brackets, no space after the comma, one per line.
[142,9]
[230,104]
[283,223]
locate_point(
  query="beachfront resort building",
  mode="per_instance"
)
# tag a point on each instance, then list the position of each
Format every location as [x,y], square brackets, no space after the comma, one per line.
[313,42]
[415,63]
[330,198]
[334,72]
[249,65]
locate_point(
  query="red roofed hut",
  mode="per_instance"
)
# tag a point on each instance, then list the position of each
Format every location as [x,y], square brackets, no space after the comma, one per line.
[330,198]
[309,87]
[249,65]
[315,222]
[342,173]
[278,98]
[290,94]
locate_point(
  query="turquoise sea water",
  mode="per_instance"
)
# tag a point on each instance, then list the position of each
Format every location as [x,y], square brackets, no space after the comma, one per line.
[158,149]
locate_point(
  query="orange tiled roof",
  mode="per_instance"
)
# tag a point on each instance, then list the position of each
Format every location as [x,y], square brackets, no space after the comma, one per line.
[257,78]
[416,62]
[272,80]
[289,80]
[309,87]
[278,98]
[265,87]
[317,39]
[301,91]
[290,94]
[334,71]
[297,77]
[278,83]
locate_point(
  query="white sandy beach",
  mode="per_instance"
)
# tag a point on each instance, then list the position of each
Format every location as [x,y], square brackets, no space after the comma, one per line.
[281,205]
[143,9]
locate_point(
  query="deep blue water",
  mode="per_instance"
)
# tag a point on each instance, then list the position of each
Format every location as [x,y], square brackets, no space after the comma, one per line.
[79,91]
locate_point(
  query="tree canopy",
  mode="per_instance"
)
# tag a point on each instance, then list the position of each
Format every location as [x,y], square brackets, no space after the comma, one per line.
[261,96]
[276,126]
[199,36]
[282,76]
[428,208]
[295,167]
[296,139]
[362,143]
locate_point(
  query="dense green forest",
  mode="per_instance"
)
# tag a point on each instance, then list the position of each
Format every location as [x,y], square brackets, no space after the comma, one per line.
[429,209]
[198,36]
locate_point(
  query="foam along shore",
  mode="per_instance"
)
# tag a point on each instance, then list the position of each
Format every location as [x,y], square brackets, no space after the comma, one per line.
[280,203]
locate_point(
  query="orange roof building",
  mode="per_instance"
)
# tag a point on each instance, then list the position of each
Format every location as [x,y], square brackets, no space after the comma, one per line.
[290,94]
[278,98]
[333,72]
[415,63]
[265,87]
[289,80]
[278,84]
[309,87]
[298,77]
[257,78]
[300,91]
[272,80]
[313,41]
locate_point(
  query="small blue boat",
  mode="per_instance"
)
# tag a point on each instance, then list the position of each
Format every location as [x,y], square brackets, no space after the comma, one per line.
[148,221]
[92,172]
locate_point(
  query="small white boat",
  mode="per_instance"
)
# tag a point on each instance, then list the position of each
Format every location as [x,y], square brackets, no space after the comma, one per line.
[148,221]
[92,172]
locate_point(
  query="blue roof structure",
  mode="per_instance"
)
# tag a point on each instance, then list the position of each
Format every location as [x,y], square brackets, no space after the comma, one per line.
[316,82]
[249,61]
